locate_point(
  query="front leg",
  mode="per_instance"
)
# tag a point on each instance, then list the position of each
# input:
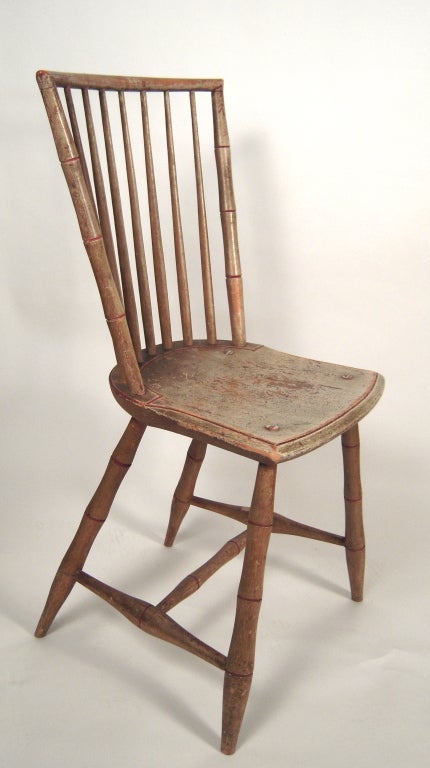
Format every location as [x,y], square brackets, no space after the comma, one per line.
[240,660]
[92,520]
[354,530]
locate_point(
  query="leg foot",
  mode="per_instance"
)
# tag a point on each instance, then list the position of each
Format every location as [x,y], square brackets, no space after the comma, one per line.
[60,590]
[236,692]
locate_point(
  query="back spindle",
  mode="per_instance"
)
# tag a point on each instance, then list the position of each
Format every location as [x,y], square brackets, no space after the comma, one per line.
[181,269]
[157,245]
[139,250]
[102,206]
[124,262]
[208,296]
[77,138]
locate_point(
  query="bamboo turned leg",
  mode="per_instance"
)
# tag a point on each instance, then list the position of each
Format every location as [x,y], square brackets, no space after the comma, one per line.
[185,489]
[354,531]
[240,660]
[93,519]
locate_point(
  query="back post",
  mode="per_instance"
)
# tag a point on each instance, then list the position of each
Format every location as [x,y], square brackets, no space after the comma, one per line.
[91,234]
[228,221]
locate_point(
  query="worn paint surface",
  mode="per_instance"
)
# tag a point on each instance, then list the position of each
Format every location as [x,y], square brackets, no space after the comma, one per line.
[273,399]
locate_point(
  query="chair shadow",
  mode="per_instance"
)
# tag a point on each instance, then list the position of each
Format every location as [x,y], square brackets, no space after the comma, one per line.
[305,574]
[147,685]
[277,689]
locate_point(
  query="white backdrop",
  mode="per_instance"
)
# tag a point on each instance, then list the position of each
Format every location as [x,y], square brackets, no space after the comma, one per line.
[329,116]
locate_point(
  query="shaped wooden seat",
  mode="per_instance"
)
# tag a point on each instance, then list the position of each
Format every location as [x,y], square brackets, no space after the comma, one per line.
[266,405]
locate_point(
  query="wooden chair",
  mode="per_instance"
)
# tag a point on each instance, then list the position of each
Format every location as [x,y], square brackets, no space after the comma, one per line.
[249,399]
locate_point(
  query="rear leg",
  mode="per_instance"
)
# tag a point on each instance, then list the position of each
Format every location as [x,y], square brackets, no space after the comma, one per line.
[185,489]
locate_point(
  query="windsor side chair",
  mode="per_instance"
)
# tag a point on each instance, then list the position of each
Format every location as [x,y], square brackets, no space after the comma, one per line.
[262,404]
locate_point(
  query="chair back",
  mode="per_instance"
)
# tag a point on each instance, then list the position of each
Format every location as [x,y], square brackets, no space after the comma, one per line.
[117,158]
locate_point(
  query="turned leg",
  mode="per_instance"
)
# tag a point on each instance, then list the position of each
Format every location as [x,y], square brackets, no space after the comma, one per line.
[185,489]
[93,519]
[240,660]
[354,531]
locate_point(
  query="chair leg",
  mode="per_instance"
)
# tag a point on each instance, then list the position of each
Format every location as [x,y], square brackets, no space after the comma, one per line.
[185,489]
[240,660]
[354,530]
[93,519]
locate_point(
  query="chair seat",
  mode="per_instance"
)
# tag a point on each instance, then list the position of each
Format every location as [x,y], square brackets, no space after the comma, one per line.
[254,400]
